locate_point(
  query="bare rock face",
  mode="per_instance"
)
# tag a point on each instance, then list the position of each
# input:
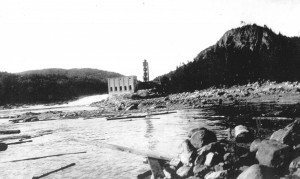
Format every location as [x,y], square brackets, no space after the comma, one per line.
[273,154]
[257,172]
[289,135]
[202,137]
[187,153]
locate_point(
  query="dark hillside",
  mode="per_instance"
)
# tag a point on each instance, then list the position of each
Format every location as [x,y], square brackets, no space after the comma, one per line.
[246,54]
[51,85]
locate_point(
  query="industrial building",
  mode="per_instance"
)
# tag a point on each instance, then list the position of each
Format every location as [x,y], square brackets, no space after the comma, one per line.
[122,85]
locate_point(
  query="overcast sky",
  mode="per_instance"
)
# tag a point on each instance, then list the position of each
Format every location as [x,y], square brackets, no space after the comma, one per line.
[117,35]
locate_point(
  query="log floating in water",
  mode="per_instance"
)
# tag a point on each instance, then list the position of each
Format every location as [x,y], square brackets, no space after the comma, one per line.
[46,174]
[3,146]
[273,118]
[15,137]
[35,158]
[140,116]
[20,142]
[138,152]
[10,131]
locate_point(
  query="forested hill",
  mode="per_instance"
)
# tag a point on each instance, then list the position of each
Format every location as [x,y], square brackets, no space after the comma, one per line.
[50,85]
[84,73]
[246,54]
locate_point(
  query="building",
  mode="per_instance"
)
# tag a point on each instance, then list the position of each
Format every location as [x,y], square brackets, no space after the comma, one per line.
[122,85]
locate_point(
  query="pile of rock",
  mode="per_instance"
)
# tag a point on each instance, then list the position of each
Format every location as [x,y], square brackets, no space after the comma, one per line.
[203,156]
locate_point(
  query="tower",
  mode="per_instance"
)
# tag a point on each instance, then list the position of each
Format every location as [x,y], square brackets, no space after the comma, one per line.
[146,71]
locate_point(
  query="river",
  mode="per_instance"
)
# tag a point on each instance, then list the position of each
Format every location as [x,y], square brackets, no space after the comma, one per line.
[162,135]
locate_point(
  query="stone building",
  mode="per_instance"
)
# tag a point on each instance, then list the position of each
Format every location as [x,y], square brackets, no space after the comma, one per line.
[122,85]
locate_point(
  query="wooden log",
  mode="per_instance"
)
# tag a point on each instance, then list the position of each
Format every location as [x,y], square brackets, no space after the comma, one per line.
[15,137]
[35,158]
[10,131]
[138,152]
[46,174]
[20,142]
[3,146]
[156,169]
[273,118]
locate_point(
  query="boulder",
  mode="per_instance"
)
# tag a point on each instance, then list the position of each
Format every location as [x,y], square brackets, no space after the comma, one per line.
[242,134]
[200,170]
[295,164]
[211,159]
[175,162]
[296,174]
[257,172]
[273,154]
[184,171]
[255,145]
[200,159]
[169,171]
[202,137]
[289,135]
[187,152]
[217,175]
[212,147]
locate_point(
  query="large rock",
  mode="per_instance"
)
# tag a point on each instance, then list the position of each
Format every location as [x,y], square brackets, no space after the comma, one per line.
[200,170]
[217,175]
[187,152]
[202,137]
[184,171]
[273,154]
[289,135]
[255,145]
[295,164]
[211,159]
[212,147]
[257,172]
[242,134]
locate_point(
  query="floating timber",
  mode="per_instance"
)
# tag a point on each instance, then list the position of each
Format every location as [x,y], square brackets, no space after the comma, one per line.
[140,116]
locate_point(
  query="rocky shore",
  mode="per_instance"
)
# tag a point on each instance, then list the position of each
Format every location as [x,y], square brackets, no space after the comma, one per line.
[201,155]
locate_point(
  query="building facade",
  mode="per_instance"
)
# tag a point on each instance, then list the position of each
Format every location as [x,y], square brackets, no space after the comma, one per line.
[122,85]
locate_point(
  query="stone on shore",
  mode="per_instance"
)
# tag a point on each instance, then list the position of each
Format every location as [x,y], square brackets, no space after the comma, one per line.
[200,170]
[184,171]
[175,162]
[289,135]
[217,175]
[273,154]
[257,172]
[188,153]
[295,164]
[255,145]
[242,134]
[212,147]
[211,159]
[202,137]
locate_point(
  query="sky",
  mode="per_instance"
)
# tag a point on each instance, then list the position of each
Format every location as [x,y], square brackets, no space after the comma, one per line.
[117,35]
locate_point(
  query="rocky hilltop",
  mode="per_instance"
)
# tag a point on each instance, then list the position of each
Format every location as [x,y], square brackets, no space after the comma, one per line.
[247,54]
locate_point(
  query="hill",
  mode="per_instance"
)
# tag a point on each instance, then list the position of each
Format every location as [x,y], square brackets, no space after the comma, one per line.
[87,73]
[242,55]
[52,85]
